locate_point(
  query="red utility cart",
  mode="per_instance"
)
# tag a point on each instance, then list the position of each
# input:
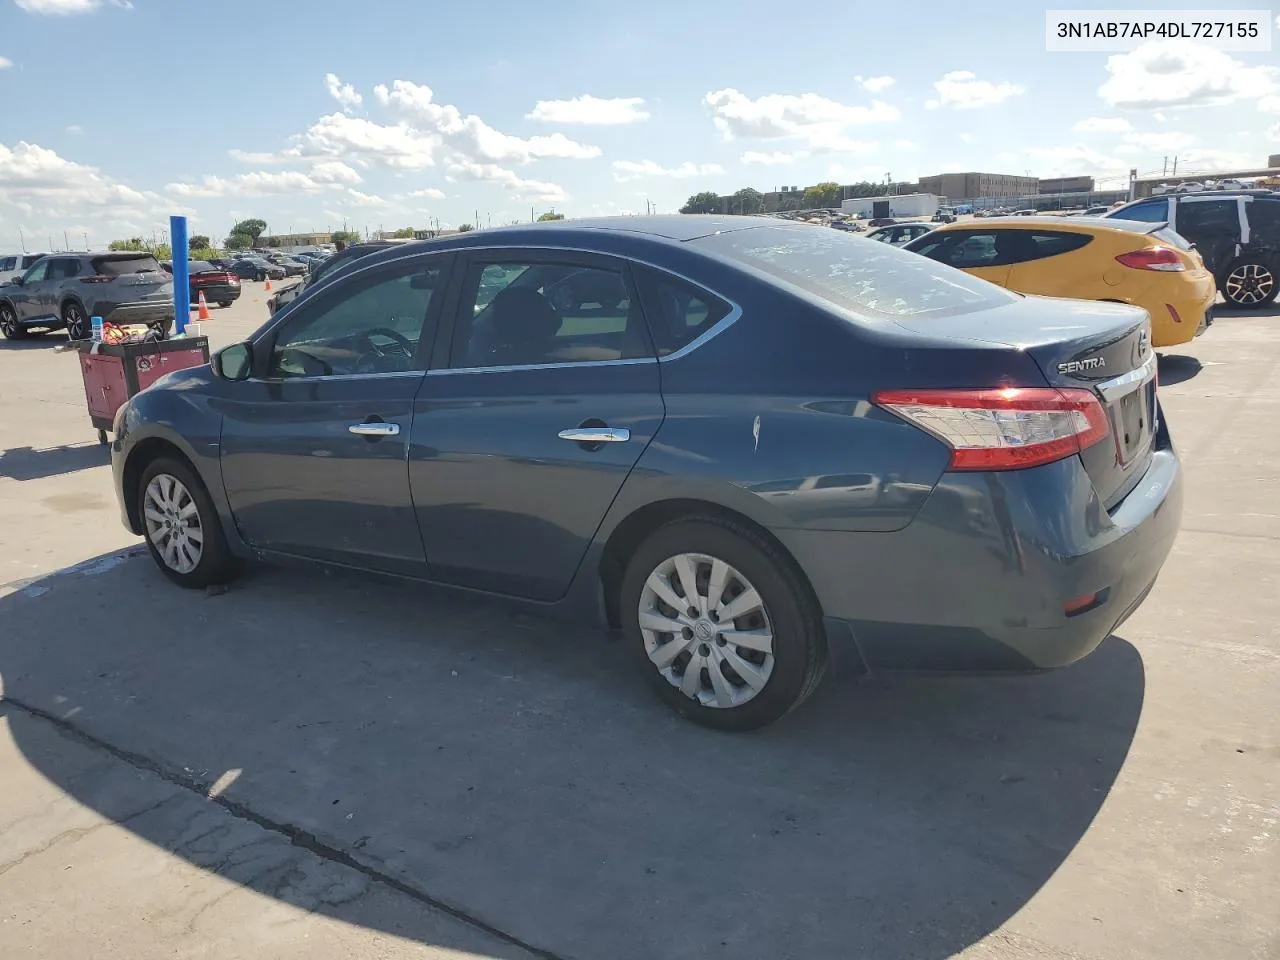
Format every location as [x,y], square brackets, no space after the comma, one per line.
[114,372]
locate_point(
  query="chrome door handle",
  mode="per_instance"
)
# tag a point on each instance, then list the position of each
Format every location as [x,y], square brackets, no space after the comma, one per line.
[376,429]
[596,434]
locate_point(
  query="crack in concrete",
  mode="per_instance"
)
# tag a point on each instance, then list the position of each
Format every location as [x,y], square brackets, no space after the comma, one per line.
[295,835]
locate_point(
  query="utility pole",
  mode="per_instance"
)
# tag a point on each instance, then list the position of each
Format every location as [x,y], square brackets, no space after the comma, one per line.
[1175,165]
[66,243]
[86,242]
[1165,172]
[22,241]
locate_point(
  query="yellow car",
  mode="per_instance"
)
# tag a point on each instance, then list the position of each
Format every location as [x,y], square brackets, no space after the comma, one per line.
[1085,258]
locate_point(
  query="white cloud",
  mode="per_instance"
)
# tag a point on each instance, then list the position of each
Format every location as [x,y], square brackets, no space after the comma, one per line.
[814,120]
[338,135]
[875,84]
[470,136]
[68,7]
[1181,73]
[5,63]
[365,199]
[1172,140]
[1269,104]
[40,190]
[344,93]
[1273,131]
[770,159]
[430,193]
[966,137]
[590,110]
[962,90]
[262,183]
[624,170]
[1006,156]
[1160,117]
[1102,125]
[907,146]
[75,129]
[509,180]
[1069,161]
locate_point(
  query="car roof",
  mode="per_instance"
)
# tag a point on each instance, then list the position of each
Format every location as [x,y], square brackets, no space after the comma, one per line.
[1075,224]
[680,227]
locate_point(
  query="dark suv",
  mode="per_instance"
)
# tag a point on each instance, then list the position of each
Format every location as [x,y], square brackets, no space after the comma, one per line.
[1237,234]
[64,291]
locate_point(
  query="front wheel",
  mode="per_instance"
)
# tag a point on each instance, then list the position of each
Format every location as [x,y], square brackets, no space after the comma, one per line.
[76,322]
[9,325]
[181,526]
[224,304]
[1250,285]
[724,627]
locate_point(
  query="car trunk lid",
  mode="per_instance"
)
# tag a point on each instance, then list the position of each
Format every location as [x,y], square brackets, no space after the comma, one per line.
[1102,347]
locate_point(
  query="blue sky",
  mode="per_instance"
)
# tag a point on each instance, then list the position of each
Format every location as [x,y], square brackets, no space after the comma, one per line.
[389,113]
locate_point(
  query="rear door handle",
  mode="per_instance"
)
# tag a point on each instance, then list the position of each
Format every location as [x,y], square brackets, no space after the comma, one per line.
[375,429]
[596,434]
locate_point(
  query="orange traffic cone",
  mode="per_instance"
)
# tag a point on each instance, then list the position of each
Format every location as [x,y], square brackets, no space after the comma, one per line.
[204,308]
[267,284]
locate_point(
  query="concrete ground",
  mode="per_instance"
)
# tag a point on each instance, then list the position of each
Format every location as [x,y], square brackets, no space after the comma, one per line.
[327,766]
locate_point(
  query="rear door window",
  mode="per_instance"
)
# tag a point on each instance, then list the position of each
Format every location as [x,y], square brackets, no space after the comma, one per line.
[678,312]
[62,269]
[1053,244]
[1148,211]
[866,278]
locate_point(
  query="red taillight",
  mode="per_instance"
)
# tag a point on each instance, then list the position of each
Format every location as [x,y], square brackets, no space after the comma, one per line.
[1153,258]
[1004,429]
[96,279]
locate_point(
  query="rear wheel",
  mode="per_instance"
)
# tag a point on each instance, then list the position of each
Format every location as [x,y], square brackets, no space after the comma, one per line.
[76,321]
[224,304]
[727,632]
[1250,285]
[9,325]
[181,525]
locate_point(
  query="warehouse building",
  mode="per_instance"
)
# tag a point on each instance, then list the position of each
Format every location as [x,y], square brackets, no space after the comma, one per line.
[1066,185]
[904,205]
[971,186]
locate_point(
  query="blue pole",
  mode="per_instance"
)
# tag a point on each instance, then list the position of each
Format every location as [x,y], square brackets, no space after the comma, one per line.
[181,273]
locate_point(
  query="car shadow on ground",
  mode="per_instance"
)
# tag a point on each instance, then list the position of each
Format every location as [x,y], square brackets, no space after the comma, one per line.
[520,772]
[31,463]
[1176,368]
[36,341]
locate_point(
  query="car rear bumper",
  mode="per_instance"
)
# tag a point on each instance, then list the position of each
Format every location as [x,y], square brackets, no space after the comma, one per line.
[981,579]
[1192,299]
[152,312]
[217,293]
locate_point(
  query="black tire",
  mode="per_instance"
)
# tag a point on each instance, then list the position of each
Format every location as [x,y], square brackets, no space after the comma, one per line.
[10,328]
[224,304]
[799,647]
[216,564]
[1249,284]
[77,321]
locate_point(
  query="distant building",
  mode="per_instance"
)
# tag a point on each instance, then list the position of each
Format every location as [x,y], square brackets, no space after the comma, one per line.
[292,240]
[971,186]
[1067,185]
[903,205]
[1273,160]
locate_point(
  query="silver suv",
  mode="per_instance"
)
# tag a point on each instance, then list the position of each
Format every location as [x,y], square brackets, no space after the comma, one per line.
[64,291]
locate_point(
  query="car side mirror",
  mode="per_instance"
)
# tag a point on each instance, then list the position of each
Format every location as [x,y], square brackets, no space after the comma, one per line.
[234,362]
[16,281]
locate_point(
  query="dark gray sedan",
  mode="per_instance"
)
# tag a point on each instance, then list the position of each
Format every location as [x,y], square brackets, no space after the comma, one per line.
[747,444]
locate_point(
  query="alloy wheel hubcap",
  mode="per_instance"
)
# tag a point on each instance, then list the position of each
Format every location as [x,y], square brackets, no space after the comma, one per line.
[8,322]
[706,630]
[1249,284]
[173,523]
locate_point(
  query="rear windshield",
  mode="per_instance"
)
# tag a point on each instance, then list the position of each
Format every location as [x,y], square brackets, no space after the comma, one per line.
[860,275]
[200,266]
[120,266]
[29,260]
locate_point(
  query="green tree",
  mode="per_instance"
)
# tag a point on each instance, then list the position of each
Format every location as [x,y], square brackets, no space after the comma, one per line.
[245,234]
[344,236]
[825,194]
[133,243]
[465,228]
[199,241]
[705,202]
[550,215]
[746,201]
[404,233]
